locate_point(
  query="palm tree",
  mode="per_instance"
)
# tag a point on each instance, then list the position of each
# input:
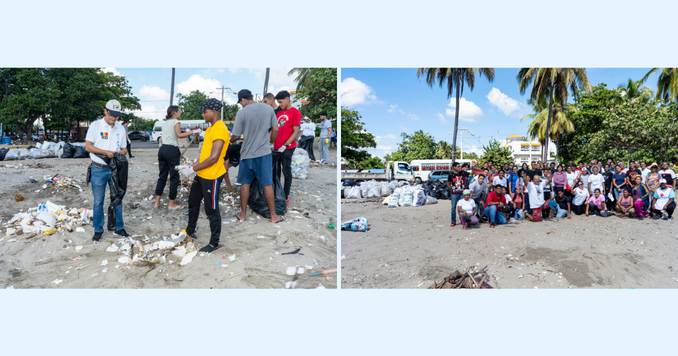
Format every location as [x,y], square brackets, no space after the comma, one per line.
[667,83]
[455,79]
[560,124]
[551,86]
[634,90]
[301,74]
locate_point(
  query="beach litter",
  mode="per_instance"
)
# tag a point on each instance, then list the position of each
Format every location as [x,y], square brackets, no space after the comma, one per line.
[47,219]
[359,224]
[150,251]
[473,278]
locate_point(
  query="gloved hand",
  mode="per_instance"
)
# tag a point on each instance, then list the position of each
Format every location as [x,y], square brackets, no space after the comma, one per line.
[327,141]
[185,170]
[282,149]
[198,130]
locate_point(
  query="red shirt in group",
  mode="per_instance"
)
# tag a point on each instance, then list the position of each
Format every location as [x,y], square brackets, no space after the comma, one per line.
[287,119]
[492,197]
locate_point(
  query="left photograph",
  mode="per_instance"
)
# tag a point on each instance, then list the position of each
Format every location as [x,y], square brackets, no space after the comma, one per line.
[168,178]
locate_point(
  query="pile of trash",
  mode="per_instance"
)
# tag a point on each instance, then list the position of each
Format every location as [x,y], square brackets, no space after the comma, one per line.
[300,163]
[370,189]
[409,196]
[436,189]
[74,150]
[47,219]
[359,224]
[473,278]
[57,183]
[41,150]
[178,248]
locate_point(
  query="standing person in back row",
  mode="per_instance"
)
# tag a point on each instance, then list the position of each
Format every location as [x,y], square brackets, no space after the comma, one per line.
[289,123]
[105,139]
[308,136]
[269,99]
[325,136]
[169,156]
[210,172]
[257,123]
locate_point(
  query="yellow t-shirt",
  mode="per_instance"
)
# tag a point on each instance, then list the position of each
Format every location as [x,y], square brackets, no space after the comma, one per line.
[216,132]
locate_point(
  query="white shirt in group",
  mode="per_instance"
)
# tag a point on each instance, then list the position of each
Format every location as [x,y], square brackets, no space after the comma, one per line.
[596,181]
[500,181]
[644,173]
[571,177]
[467,205]
[667,171]
[107,137]
[536,194]
[308,129]
[580,196]
[662,197]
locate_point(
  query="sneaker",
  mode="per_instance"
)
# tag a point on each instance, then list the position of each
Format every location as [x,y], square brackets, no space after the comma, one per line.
[209,248]
[122,233]
[97,236]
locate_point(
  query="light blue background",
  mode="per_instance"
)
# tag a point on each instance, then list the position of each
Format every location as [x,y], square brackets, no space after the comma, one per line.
[349,33]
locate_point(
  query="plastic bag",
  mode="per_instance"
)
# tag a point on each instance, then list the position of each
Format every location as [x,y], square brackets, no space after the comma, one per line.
[300,162]
[80,152]
[36,153]
[385,189]
[357,224]
[418,197]
[257,202]
[431,200]
[406,197]
[352,192]
[395,198]
[3,153]
[68,151]
[16,154]
[373,189]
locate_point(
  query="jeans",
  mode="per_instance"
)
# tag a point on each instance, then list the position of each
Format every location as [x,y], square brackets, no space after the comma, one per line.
[560,212]
[495,217]
[454,198]
[324,150]
[100,179]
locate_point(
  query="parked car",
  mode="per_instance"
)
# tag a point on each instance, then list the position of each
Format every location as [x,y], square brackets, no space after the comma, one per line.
[139,136]
[439,176]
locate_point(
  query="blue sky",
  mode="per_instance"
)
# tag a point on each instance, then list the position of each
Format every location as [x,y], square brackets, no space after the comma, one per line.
[393,101]
[152,85]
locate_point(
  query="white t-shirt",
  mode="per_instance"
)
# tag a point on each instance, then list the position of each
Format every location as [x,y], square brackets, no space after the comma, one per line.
[536,194]
[580,196]
[324,128]
[669,171]
[308,129]
[571,177]
[597,181]
[103,136]
[644,173]
[508,199]
[467,205]
[662,197]
[500,181]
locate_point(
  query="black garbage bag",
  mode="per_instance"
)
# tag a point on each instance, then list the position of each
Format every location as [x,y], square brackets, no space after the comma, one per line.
[3,153]
[80,152]
[117,184]
[233,154]
[69,150]
[257,201]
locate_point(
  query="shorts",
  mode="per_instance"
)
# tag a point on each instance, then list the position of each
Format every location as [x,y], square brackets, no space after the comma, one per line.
[260,167]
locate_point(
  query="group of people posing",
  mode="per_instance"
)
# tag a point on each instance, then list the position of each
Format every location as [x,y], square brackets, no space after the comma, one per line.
[555,191]
[262,142]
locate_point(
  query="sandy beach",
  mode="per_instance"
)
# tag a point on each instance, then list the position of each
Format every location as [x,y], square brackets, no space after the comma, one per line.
[410,247]
[253,253]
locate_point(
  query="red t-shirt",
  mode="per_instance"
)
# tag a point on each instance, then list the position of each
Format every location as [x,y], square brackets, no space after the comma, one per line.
[287,119]
[492,197]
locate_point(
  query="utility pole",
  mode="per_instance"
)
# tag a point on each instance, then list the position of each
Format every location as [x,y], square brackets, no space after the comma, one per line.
[172,89]
[222,100]
[268,73]
[461,142]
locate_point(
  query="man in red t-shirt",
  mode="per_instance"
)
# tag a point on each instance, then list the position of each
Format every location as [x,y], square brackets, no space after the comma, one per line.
[493,206]
[289,123]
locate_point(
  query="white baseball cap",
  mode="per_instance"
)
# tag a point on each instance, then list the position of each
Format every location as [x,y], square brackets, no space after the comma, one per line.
[114,108]
[662,181]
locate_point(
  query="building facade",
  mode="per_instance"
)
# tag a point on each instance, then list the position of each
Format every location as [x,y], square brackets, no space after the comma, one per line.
[527,151]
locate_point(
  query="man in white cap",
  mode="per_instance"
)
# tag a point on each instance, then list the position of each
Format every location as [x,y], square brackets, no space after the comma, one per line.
[105,138]
[663,201]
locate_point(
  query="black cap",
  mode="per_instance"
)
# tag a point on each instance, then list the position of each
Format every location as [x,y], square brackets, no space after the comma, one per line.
[283,94]
[244,94]
[211,104]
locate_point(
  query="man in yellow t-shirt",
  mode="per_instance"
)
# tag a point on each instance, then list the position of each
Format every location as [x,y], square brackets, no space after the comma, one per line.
[210,171]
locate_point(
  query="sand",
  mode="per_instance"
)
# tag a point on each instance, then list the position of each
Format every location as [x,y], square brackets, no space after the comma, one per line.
[250,256]
[411,247]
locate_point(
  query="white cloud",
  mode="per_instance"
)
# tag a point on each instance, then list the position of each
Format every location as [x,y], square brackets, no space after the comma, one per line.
[354,92]
[198,82]
[468,110]
[503,102]
[386,144]
[392,107]
[441,118]
[153,93]
[278,79]
[149,111]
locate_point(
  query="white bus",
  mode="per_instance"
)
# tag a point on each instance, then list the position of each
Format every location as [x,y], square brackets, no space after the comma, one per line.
[156,136]
[422,168]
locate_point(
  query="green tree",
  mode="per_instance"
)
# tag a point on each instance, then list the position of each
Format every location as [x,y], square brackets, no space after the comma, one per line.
[551,86]
[26,98]
[496,154]
[455,79]
[317,91]
[560,125]
[354,138]
[190,105]
[667,83]
[419,145]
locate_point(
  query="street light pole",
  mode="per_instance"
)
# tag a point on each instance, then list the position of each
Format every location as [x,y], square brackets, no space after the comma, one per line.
[268,73]
[172,89]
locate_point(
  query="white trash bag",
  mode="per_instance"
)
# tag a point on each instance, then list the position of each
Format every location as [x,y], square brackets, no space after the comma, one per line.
[300,163]
[352,192]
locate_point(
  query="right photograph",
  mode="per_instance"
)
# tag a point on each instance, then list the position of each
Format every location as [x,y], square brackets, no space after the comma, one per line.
[509,177]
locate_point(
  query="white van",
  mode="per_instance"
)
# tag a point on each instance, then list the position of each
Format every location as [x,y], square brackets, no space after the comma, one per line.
[422,168]
[156,136]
